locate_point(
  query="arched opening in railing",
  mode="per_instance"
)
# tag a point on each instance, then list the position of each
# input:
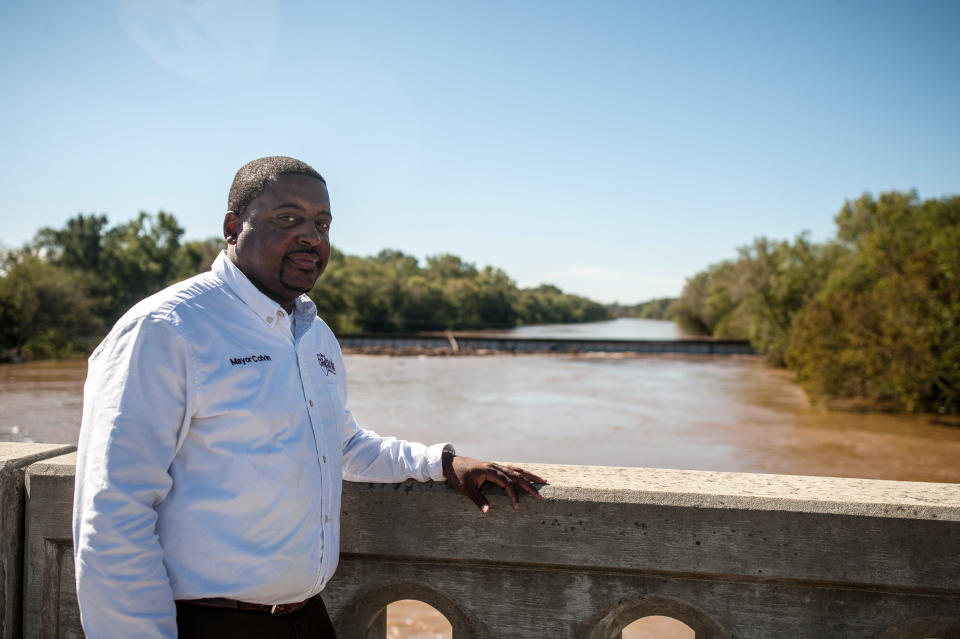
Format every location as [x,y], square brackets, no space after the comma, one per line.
[366,616]
[657,627]
[415,619]
[694,621]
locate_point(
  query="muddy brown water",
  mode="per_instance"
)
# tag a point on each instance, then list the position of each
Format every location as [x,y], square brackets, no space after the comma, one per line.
[707,413]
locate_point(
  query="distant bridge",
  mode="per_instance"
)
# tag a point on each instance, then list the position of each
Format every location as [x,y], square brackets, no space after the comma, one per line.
[476,342]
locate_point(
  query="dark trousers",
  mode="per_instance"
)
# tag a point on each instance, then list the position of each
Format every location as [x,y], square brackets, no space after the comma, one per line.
[206,622]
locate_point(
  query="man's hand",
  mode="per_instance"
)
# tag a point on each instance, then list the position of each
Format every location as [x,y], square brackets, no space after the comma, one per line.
[466,476]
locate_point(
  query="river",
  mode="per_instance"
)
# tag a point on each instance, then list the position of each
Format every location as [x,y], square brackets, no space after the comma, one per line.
[692,412]
[703,412]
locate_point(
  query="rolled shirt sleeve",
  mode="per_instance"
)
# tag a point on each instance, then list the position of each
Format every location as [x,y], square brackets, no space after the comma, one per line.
[369,457]
[136,408]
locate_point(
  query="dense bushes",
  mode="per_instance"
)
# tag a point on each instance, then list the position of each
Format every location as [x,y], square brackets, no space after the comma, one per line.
[60,293]
[872,316]
[886,324]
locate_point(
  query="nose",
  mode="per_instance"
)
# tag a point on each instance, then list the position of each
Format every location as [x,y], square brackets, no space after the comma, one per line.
[311,236]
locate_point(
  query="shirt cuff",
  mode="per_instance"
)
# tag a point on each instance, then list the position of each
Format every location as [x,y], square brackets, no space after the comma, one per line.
[435,460]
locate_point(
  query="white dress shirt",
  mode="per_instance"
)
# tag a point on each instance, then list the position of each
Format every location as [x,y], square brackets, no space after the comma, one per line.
[214,438]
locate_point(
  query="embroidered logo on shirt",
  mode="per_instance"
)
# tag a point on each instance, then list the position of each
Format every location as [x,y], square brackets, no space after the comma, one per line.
[240,361]
[326,365]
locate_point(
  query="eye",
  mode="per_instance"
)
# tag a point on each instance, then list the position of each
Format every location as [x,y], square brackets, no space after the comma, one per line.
[285,219]
[323,226]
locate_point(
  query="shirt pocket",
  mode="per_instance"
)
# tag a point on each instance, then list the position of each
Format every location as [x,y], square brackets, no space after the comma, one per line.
[336,396]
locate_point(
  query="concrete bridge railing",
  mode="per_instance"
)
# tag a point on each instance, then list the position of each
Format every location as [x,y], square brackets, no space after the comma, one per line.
[731,555]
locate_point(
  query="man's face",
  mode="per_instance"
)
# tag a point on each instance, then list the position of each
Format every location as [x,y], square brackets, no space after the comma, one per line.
[282,241]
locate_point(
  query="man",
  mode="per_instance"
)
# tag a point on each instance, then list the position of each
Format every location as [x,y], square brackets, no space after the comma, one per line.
[216,432]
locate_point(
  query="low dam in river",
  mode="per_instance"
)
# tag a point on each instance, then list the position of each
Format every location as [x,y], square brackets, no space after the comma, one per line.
[732,555]
[478,342]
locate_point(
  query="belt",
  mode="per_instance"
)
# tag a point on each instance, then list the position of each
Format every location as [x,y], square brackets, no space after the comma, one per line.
[233,604]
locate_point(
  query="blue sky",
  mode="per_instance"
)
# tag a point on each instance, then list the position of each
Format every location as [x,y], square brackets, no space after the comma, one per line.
[612,149]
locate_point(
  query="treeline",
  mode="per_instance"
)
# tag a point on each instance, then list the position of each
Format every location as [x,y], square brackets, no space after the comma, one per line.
[392,292]
[61,292]
[658,309]
[871,316]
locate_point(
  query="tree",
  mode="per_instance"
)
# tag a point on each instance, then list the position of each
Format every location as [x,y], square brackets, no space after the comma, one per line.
[100,271]
[126,262]
[46,310]
[79,246]
[139,257]
[195,256]
[886,327]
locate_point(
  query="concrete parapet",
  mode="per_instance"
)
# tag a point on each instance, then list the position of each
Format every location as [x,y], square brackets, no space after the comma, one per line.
[14,460]
[729,554]
[50,598]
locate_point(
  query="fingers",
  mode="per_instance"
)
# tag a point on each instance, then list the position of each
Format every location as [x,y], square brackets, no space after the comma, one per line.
[530,489]
[522,479]
[473,492]
[467,476]
[530,477]
[508,478]
[512,493]
[527,475]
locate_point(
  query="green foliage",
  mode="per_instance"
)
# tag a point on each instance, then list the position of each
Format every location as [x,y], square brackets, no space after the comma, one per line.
[547,304]
[757,296]
[872,316]
[127,262]
[63,290]
[45,310]
[194,257]
[659,309]
[391,292]
[886,326]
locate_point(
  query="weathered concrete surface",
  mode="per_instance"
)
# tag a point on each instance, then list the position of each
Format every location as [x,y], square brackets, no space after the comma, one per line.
[50,597]
[731,555]
[14,460]
[774,526]
[492,601]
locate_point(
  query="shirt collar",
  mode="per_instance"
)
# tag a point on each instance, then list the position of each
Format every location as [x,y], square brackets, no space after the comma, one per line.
[266,309]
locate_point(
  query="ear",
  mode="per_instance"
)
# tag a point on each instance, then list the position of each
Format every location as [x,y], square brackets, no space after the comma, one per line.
[231,227]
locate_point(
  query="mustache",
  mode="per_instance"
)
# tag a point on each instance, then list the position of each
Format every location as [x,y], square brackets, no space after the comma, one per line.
[312,252]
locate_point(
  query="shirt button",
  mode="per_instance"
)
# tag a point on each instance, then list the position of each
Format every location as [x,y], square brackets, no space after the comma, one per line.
[279,313]
[324,459]
[311,403]
[269,320]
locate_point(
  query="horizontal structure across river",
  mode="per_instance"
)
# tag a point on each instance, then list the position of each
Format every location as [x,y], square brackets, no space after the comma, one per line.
[546,345]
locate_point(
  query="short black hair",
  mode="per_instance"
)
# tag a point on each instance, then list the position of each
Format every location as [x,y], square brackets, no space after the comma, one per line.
[253,177]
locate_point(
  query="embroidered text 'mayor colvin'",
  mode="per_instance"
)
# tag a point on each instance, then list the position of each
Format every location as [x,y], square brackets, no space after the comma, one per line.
[239,361]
